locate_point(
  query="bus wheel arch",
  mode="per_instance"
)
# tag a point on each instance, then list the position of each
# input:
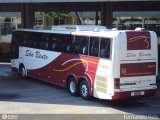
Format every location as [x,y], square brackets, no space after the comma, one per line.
[22,71]
[72,85]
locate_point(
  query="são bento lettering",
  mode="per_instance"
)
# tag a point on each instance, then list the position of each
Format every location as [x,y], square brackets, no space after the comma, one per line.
[37,54]
[140,54]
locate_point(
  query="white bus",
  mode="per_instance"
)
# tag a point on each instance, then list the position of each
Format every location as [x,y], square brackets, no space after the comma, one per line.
[89,60]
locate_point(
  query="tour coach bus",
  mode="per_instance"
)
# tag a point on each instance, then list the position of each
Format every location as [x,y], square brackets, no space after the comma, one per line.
[89,60]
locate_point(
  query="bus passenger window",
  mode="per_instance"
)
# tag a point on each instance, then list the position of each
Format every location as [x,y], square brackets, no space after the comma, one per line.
[31,39]
[65,43]
[24,42]
[68,47]
[19,37]
[105,48]
[35,39]
[44,45]
[25,39]
[54,44]
[44,41]
[81,45]
[94,46]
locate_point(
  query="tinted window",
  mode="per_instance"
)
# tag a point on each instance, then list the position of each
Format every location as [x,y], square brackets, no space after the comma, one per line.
[43,41]
[66,43]
[94,46]
[31,39]
[35,39]
[54,42]
[16,38]
[105,48]
[26,40]
[81,45]
[61,43]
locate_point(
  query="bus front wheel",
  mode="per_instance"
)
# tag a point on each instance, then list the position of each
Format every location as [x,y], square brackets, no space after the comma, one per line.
[22,71]
[72,86]
[84,90]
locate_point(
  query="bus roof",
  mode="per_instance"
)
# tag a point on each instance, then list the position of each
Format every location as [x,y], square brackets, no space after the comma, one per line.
[79,27]
[83,30]
[67,29]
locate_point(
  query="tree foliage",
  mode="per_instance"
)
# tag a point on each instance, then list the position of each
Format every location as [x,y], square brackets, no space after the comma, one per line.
[59,15]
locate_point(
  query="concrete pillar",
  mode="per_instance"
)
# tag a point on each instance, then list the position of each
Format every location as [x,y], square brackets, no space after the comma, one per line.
[97,18]
[106,14]
[27,15]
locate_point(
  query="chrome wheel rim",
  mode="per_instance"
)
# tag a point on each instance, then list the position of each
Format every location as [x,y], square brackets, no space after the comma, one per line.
[72,86]
[84,90]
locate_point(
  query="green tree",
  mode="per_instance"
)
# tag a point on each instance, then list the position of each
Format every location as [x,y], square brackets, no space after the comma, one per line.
[59,15]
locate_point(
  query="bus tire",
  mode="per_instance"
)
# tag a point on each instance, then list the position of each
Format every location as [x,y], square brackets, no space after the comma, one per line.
[84,90]
[22,71]
[72,86]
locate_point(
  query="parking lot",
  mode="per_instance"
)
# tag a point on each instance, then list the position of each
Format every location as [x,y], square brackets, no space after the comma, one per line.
[30,96]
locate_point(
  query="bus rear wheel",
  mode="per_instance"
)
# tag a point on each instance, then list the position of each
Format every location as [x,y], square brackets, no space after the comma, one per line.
[72,86]
[84,90]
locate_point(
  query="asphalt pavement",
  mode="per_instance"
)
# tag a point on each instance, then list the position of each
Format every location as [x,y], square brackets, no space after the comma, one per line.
[30,96]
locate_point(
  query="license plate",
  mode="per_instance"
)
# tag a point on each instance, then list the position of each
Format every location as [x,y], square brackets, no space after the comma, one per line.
[138,93]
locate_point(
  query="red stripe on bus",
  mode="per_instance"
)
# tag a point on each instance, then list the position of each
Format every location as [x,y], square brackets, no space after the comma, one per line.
[59,69]
[138,69]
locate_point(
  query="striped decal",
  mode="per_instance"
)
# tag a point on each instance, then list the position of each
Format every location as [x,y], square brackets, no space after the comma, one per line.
[138,40]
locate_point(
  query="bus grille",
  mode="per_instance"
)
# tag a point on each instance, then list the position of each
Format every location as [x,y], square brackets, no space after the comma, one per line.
[101,84]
